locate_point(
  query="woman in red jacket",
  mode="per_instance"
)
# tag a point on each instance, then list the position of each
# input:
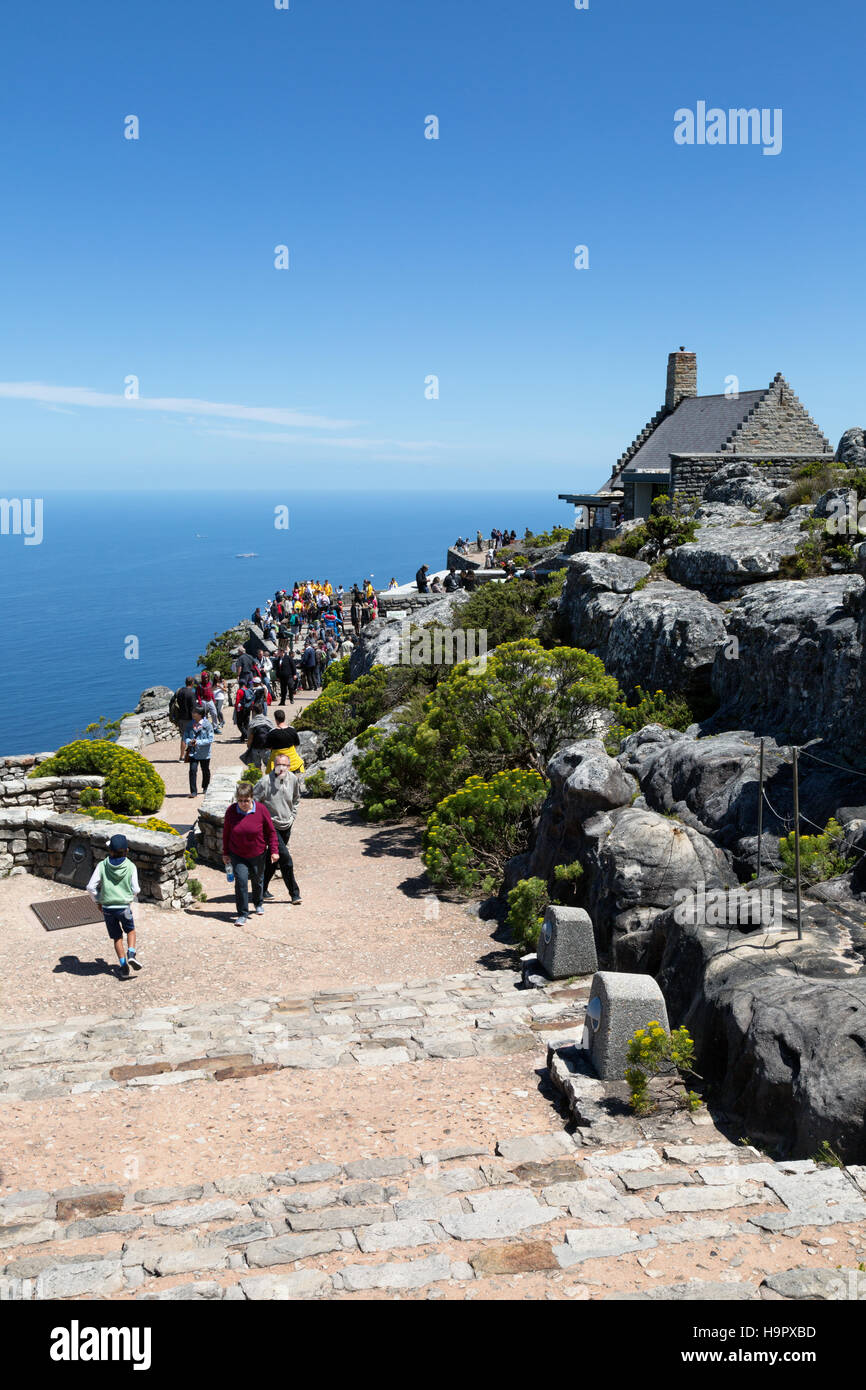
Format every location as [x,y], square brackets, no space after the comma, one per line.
[248,835]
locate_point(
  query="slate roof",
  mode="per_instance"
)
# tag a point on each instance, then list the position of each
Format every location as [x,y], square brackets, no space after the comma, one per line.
[698,425]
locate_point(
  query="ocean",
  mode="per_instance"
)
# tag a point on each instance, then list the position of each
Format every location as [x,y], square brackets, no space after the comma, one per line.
[125,589]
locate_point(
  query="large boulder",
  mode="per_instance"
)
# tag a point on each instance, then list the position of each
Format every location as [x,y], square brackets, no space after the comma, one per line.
[341,768]
[584,780]
[852,448]
[665,638]
[796,672]
[780,1027]
[153,698]
[734,550]
[380,642]
[597,585]
[643,746]
[741,484]
[636,861]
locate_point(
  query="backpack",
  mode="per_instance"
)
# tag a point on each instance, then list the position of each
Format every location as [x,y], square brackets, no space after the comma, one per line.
[248,697]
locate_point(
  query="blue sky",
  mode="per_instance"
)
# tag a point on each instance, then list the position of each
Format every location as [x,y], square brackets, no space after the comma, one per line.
[411,257]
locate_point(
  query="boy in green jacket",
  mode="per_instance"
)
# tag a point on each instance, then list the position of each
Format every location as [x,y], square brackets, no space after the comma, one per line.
[113,885]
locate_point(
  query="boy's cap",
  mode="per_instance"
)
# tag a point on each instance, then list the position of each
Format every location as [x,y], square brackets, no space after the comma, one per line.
[117,845]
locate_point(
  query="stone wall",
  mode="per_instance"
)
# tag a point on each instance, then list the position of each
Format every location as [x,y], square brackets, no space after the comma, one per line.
[34,840]
[138,730]
[218,797]
[52,793]
[690,473]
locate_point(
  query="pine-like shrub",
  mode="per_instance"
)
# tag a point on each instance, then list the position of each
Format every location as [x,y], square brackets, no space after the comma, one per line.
[472,833]
[671,711]
[132,784]
[821,857]
[527,903]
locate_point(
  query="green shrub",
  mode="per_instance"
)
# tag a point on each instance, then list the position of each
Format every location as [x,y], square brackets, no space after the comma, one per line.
[218,657]
[557,535]
[527,904]
[195,887]
[671,522]
[251,775]
[649,1052]
[472,833]
[568,878]
[508,612]
[132,784]
[317,784]
[671,711]
[820,855]
[525,705]
[152,822]
[104,728]
[89,796]
[344,710]
[337,672]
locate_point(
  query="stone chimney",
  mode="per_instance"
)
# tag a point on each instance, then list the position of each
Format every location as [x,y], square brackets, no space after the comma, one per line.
[682,377]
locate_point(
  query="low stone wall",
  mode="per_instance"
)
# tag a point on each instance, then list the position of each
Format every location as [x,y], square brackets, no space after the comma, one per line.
[138,730]
[690,473]
[17,788]
[34,840]
[219,796]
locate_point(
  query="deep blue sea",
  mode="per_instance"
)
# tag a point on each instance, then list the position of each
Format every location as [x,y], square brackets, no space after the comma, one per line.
[162,568]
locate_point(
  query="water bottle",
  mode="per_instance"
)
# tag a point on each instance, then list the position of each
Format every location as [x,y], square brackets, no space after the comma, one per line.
[230,874]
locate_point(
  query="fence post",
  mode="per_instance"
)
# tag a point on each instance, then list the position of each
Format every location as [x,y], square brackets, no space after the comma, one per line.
[797,840]
[760,809]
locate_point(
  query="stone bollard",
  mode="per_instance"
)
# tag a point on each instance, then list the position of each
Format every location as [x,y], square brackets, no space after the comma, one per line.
[618,1005]
[566,943]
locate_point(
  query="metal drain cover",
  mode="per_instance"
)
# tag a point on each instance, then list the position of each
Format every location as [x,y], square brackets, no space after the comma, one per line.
[80,911]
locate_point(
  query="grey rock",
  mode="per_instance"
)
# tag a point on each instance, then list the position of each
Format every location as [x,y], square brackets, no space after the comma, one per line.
[330,1218]
[99,1225]
[665,638]
[304,1283]
[728,554]
[201,1291]
[340,768]
[245,1232]
[535,1148]
[411,1274]
[83,1277]
[596,1202]
[708,1198]
[834,1284]
[686,1231]
[694,1290]
[378,1167]
[600,1245]
[665,1177]
[397,1235]
[199,1214]
[741,484]
[314,1172]
[852,448]
[498,1214]
[798,673]
[156,1196]
[596,587]
[190,1261]
[282,1250]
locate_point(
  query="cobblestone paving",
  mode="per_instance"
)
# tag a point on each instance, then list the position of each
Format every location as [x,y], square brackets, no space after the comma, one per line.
[590,1214]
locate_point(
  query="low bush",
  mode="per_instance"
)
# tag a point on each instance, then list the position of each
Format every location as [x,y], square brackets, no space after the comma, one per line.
[649,1052]
[132,784]
[336,673]
[218,657]
[472,833]
[526,704]
[671,711]
[821,856]
[567,878]
[317,784]
[511,611]
[671,522]
[527,903]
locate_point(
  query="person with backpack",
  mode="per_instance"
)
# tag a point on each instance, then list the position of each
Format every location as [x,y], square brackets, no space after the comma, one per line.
[199,745]
[182,707]
[257,739]
[421,580]
[248,837]
[309,667]
[113,885]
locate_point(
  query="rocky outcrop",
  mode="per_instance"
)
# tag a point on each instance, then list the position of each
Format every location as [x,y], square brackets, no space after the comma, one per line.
[665,638]
[636,860]
[781,1034]
[597,586]
[153,698]
[741,484]
[584,780]
[380,641]
[340,769]
[797,669]
[852,448]
[732,548]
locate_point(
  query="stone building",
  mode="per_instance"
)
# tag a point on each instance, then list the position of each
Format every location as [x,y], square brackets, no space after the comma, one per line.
[690,437]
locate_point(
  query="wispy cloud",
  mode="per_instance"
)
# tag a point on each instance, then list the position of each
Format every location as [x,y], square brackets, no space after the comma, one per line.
[344,442]
[45,394]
